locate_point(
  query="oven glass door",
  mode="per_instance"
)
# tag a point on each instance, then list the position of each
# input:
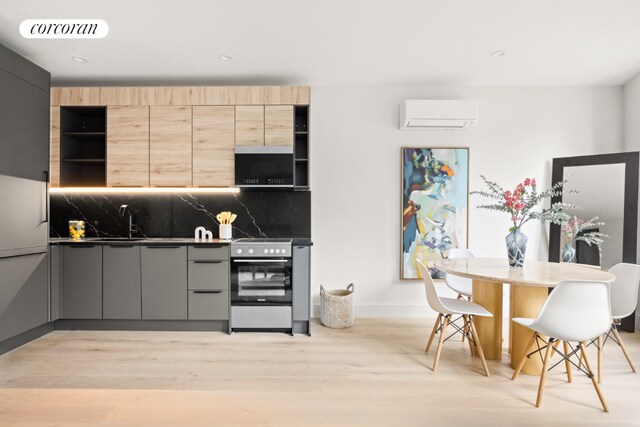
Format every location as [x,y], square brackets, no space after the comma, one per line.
[261,281]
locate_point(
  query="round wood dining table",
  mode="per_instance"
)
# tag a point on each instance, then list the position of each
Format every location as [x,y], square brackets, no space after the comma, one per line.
[529,290]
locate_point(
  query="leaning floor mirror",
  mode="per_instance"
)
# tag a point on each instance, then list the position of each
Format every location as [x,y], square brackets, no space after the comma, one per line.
[606,188]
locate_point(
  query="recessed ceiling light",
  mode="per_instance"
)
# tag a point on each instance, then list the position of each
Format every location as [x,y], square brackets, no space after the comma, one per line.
[79,59]
[225,57]
[498,53]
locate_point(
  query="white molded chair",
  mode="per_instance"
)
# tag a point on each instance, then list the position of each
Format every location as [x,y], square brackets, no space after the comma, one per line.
[447,307]
[462,285]
[624,297]
[576,311]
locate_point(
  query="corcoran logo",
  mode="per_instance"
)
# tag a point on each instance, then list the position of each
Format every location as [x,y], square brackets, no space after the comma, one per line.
[64,29]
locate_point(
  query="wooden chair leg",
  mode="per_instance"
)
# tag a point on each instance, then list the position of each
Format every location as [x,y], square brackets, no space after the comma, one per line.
[474,333]
[433,332]
[524,357]
[599,344]
[543,375]
[467,331]
[567,364]
[624,349]
[583,351]
[440,341]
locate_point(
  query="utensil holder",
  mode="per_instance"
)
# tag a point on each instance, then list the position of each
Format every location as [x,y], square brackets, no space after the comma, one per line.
[225,231]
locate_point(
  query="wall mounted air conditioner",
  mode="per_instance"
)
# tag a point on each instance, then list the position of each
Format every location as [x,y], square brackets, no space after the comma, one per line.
[428,114]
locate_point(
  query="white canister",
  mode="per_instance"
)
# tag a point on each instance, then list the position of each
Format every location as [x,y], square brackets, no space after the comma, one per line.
[225,231]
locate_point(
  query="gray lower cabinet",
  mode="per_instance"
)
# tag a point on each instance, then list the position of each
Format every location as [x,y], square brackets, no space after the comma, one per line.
[208,305]
[208,283]
[208,275]
[164,282]
[121,282]
[23,294]
[301,282]
[82,282]
[56,280]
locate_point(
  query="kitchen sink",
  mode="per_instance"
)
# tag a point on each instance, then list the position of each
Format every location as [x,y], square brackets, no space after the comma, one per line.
[118,239]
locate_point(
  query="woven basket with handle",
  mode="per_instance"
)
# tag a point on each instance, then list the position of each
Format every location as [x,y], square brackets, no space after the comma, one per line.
[336,307]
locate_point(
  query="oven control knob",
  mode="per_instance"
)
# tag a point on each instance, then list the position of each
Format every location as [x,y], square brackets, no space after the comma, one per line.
[283,251]
[277,251]
[270,251]
[250,251]
[239,251]
[266,251]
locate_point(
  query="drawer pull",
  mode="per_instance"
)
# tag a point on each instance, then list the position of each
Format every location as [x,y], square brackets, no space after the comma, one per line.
[162,247]
[121,246]
[207,262]
[207,292]
[82,246]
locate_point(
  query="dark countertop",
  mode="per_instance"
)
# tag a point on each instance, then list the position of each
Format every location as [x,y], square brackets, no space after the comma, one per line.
[145,242]
[302,242]
[155,241]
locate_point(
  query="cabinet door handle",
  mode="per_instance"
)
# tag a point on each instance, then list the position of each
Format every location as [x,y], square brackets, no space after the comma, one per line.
[82,246]
[121,246]
[207,292]
[46,197]
[207,262]
[162,247]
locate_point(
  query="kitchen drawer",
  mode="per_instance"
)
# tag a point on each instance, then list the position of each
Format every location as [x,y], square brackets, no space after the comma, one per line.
[208,253]
[208,305]
[208,275]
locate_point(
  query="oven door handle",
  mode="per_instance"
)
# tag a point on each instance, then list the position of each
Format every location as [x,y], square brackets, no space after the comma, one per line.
[266,261]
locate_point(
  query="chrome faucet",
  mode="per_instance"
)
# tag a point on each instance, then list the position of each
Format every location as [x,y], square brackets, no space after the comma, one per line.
[131,225]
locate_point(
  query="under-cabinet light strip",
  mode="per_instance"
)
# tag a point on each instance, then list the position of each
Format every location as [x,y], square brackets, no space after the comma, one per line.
[146,190]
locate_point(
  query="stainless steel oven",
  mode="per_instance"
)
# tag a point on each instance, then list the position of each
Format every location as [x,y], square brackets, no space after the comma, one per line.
[261,284]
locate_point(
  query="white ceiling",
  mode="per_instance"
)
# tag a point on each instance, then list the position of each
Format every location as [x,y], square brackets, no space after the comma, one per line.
[339,42]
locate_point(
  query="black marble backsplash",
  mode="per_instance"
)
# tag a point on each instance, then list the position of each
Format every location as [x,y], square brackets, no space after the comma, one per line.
[260,213]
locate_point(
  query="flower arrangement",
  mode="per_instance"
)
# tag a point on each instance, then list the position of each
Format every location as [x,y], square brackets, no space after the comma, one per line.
[577,229]
[521,202]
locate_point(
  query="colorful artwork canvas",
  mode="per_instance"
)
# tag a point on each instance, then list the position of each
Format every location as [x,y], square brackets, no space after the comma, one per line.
[435,198]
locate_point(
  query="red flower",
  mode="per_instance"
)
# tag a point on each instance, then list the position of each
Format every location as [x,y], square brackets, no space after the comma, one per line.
[527,182]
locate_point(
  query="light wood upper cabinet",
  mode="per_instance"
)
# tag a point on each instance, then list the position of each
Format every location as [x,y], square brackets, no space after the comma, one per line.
[75,96]
[249,125]
[54,147]
[213,144]
[126,95]
[278,125]
[128,146]
[170,146]
[179,95]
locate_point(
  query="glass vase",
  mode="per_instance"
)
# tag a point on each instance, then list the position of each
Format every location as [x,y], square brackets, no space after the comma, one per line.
[568,253]
[516,247]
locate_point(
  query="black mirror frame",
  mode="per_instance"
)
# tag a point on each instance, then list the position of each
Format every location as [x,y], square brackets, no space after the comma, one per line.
[631,160]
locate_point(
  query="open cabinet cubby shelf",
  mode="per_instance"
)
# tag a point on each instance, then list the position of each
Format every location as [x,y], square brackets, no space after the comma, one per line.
[301,147]
[83,146]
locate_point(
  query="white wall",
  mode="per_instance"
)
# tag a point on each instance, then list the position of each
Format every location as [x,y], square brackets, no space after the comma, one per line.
[355,173]
[632,114]
[632,135]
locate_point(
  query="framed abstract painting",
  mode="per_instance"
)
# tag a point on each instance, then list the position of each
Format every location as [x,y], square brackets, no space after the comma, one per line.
[435,199]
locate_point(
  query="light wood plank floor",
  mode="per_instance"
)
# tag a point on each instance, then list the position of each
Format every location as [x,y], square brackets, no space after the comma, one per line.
[374,374]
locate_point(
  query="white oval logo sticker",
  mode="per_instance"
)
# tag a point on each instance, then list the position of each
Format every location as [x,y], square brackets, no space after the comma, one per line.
[64,29]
